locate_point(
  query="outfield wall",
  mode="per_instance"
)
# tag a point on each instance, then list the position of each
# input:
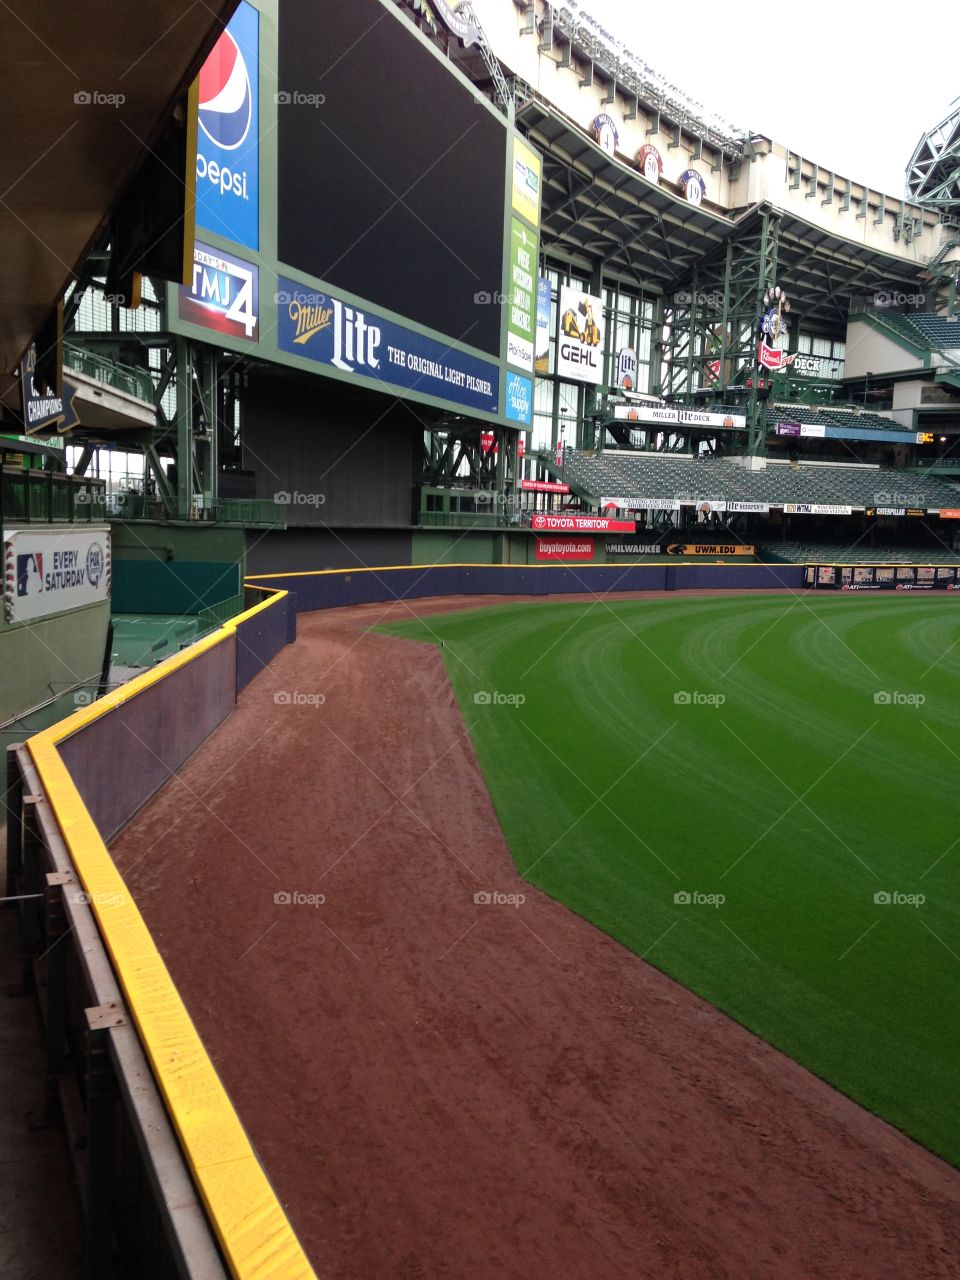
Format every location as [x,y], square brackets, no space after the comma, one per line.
[207,1205]
[337,588]
[211,1207]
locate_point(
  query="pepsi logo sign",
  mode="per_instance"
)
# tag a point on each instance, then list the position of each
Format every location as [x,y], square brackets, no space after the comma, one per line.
[226,96]
[228,144]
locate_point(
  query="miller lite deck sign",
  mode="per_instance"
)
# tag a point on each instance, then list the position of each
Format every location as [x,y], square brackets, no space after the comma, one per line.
[224,294]
[359,342]
[228,133]
[580,336]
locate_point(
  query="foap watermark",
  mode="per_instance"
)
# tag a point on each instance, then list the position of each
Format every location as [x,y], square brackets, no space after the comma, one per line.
[90,498]
[694,898]
[286,698]
[284,498]
[296,98]
[81,898]
[483,298]
[294,898]
[697,698]
[895,298]
[700,298]
[893,498]
[894,898]
[96,98]
[494,698]
[896,698]
[494,898]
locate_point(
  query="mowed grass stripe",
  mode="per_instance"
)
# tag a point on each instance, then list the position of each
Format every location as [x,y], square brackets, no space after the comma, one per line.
[797,798]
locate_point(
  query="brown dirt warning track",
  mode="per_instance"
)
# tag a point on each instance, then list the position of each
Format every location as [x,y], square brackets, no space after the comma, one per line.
[439,1089]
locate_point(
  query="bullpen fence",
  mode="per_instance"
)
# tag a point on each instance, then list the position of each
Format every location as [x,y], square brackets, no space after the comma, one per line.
[169,1181]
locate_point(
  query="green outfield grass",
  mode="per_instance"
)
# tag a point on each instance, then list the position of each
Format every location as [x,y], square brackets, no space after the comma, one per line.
[621,781]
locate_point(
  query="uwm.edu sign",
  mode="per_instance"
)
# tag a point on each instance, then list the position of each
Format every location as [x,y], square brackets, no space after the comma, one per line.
[581,524]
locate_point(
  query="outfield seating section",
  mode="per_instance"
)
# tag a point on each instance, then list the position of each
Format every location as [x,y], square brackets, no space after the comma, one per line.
[925,329]
[791,411]
[844,553]
[663,475]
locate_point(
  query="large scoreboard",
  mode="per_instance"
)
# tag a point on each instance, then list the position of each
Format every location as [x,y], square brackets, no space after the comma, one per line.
[363,212]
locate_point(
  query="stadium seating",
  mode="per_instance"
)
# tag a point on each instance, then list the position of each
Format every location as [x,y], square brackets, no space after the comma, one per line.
[933,332]
[848,416]
[843,553]
[671,476]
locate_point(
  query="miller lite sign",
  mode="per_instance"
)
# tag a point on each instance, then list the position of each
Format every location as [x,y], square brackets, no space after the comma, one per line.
[360,343]
[627,369]
[580,336]
[228,133]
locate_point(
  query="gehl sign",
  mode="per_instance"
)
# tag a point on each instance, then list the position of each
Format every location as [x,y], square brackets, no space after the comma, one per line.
[580,336]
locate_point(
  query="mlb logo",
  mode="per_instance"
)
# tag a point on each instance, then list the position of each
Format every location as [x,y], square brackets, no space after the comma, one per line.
[30,573]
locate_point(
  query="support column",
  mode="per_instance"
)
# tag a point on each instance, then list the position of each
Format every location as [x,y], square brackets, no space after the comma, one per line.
[184,430]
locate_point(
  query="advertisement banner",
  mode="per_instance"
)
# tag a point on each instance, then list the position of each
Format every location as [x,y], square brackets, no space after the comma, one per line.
[527,168]
[754,508]
[581,524]
[580,336]
[709,549]
[564,549]
[627,367]
[542,354]
[48,571]
[815,509]
[634,549]
[772,357]
[331,332]
[689,417]
[228,133]
[544,486]
[519,401]
[521,314]
[642,504]
[224,295]
[725,421]
[868,577]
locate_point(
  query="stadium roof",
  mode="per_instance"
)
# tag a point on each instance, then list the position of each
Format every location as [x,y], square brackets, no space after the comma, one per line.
[81,104]
[596,206]
[933,173]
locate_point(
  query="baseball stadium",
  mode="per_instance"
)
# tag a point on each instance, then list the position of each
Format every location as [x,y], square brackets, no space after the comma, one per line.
[479,665]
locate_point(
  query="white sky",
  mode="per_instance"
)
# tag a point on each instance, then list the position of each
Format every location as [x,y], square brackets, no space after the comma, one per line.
[851,87]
